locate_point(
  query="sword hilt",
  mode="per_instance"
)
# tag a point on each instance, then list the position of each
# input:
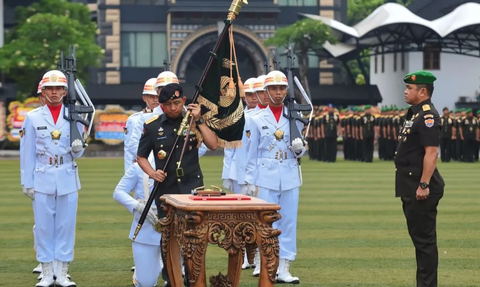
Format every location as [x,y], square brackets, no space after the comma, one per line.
[184,123]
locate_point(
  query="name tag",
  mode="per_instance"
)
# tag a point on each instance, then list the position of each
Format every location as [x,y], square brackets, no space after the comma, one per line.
[42,128]
[162,138]
[264,128]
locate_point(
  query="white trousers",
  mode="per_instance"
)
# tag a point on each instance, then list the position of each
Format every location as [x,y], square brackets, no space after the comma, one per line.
[147,264]
[34,236]
[55,218]
[288,201]
[236,187]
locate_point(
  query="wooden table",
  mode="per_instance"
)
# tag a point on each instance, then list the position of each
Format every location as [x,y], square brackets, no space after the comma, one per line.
[231,224]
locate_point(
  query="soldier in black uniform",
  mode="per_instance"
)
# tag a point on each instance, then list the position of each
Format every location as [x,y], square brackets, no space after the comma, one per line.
[159,136]
[367,133]
[329,128]
[348,136]
[357,142]
[448,130]
[478,136]
[311,136]
[417,180]
[468,134]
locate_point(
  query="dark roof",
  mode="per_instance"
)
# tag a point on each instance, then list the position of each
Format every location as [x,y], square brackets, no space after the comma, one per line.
[345,94]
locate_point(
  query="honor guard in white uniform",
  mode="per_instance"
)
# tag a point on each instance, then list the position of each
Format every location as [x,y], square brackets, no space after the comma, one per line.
[272,167]
[150,98]
[146,248]
[51,180]
[260,92]
[234,159]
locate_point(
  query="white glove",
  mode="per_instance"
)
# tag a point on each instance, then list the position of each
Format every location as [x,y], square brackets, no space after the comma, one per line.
[228,184]
[77,146]
[29,192]
[248,189]
[297,145]
[151,216]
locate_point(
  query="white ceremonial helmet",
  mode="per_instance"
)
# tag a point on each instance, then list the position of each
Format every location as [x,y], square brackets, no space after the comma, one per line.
[275,78]
[39,88]
[258,83]
[248,85]
[165,78]
[54,78]
[150,87]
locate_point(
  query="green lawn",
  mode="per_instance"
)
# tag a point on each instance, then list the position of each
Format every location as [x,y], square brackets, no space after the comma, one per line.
[351,229]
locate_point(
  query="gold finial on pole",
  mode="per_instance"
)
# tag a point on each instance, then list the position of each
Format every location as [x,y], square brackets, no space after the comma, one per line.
[235,9]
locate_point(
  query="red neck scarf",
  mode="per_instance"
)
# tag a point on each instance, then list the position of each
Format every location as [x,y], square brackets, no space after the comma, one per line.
[55,110]
[277,112]
[261,106]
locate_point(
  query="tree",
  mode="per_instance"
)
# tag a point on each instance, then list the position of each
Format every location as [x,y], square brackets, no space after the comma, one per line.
[305,35]
[45,29]
[357,10]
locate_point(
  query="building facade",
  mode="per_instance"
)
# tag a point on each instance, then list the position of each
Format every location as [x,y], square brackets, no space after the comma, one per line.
[458,76]
[139,35]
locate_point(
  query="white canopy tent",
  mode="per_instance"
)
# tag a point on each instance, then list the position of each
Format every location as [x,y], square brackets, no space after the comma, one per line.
[393,28]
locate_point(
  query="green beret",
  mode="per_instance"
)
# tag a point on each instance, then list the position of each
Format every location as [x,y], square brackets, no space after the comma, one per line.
[445,108]
[170,92]
[469,110]
[395,108]
[367,107]
[478,112]
[461,109]
[420,77]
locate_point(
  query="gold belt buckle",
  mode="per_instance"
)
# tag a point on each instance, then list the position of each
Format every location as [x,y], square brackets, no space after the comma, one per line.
[179,172]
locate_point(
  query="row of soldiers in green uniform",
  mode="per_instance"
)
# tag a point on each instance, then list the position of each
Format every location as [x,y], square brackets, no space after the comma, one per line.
[359,126]
[460,135]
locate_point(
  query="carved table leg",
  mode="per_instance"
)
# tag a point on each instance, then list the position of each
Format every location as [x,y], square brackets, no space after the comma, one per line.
[235,267]
[173,261]
[170,247]
[195,247]
[267,241]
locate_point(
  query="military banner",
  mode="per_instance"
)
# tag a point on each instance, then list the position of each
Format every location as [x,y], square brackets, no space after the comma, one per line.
[3,123]
[17,111]
[109,124]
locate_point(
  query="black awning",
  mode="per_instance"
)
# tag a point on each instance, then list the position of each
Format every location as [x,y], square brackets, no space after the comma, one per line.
[342,95]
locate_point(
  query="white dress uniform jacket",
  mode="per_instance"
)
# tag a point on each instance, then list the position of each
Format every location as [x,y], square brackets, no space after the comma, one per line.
[271,163]
[235,160]
[49,165]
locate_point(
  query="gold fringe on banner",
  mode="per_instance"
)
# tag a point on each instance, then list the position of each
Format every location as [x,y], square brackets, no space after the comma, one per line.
[229,145]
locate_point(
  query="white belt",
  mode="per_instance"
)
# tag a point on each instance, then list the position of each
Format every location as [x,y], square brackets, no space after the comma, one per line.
[54,160]
[278,155]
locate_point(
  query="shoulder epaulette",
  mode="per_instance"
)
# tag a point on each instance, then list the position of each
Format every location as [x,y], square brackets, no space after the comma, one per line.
[149,121]
[35,110]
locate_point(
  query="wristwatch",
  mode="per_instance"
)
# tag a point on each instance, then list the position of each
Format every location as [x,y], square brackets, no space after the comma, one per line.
[200,121]
[424,185]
